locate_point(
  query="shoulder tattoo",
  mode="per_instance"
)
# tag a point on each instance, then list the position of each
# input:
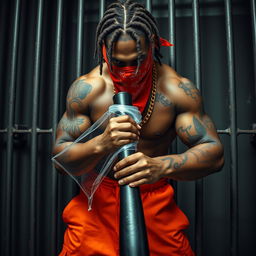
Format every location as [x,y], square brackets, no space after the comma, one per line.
[77,93]
[189,89]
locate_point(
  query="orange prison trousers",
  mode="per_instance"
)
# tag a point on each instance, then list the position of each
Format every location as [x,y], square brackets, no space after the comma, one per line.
[96,232]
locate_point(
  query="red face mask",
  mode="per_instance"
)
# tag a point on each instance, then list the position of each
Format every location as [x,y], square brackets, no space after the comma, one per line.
[125,79]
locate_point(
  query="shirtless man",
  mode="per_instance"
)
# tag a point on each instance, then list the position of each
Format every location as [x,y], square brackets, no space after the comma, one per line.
[128,39]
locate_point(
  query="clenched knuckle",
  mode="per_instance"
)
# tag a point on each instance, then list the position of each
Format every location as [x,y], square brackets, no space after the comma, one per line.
[140,154]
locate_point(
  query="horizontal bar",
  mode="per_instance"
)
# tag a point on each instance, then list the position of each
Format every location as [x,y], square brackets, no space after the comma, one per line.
[226,131]
[28,131]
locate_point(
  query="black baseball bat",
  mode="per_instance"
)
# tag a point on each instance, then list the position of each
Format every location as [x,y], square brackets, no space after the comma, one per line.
[133,234]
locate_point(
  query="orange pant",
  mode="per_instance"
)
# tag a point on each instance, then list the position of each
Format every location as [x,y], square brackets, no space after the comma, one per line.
[95,232]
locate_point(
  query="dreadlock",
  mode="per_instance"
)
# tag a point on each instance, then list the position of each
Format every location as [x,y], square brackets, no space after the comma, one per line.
[127,17]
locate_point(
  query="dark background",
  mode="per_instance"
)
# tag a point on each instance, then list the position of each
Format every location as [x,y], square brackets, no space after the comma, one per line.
[33,195]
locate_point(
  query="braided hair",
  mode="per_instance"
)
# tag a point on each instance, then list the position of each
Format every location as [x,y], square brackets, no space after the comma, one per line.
[126,17]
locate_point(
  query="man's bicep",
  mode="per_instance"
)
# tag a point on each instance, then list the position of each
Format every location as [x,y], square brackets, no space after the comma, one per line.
[71,128]
[195,128]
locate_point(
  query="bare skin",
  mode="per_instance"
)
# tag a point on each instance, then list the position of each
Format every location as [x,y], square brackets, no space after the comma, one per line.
[178,110]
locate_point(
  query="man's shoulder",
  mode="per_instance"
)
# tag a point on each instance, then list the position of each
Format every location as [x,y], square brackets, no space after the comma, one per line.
[91,82]
[180,90]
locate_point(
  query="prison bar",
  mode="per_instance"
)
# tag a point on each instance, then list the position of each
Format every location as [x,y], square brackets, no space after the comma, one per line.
[233,131]
[45,131]
[56,88]
[253,18]
[102,8]
[11,107]
[80,29]
[198,183]
[149,5]
[172,33]
[233,135]
[34,134]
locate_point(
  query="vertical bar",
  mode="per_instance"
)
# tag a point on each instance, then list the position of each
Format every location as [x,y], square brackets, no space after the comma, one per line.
[199,183]
[253,13]
[34,138]
[80,29]
[56,90]
[102,8]
[172,63]
[172,32]
[149,5]
[11,106]
[233,136]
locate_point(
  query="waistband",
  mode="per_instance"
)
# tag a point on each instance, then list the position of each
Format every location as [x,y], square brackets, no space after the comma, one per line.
[110,183]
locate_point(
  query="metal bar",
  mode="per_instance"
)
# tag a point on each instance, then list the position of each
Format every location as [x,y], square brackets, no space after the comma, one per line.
[233,136]
[199,183]
[172,33]
[34,139]
[253,13]
[44,131]
[149,5]
[11,106]
[56,84]
[80,29]
[102,8]
[172,63]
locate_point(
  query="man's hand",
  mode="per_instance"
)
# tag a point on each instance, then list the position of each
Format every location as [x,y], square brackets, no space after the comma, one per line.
[138,169]
[120,131]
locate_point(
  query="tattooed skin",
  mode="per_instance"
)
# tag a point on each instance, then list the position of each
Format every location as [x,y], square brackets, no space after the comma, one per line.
[203,152]
[201,135]
[71,126]
[163,100]
[175,165]
[190,89]
[207,122]
[77,93]
[64,138]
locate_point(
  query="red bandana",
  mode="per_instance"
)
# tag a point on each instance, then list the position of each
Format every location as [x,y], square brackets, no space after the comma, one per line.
[138,85]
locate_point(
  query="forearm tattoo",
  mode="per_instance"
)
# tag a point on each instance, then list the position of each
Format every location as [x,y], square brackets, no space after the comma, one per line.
[201,154]
[174,163]
[77,93]
[190,89]
[163,100]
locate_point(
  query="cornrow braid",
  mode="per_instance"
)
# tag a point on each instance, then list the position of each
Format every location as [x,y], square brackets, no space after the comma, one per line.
[126,17]
[136,38]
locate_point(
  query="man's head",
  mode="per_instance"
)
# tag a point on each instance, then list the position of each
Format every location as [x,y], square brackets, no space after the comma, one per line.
[127,30]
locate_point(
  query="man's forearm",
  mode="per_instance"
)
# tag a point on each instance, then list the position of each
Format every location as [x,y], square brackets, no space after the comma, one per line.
[195,163]
[80,157]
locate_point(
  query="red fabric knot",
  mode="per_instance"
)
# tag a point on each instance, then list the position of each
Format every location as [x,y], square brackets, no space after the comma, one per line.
[165,42]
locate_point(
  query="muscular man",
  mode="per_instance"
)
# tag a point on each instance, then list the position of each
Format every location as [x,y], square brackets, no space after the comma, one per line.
[128,46]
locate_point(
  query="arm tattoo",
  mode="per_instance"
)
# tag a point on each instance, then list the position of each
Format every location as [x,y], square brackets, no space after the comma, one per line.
[64,138]
[207,122]
[71,126]
[201,135]
[190,90]
[175,164]
[163,100]
[203,153]
[77,93]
